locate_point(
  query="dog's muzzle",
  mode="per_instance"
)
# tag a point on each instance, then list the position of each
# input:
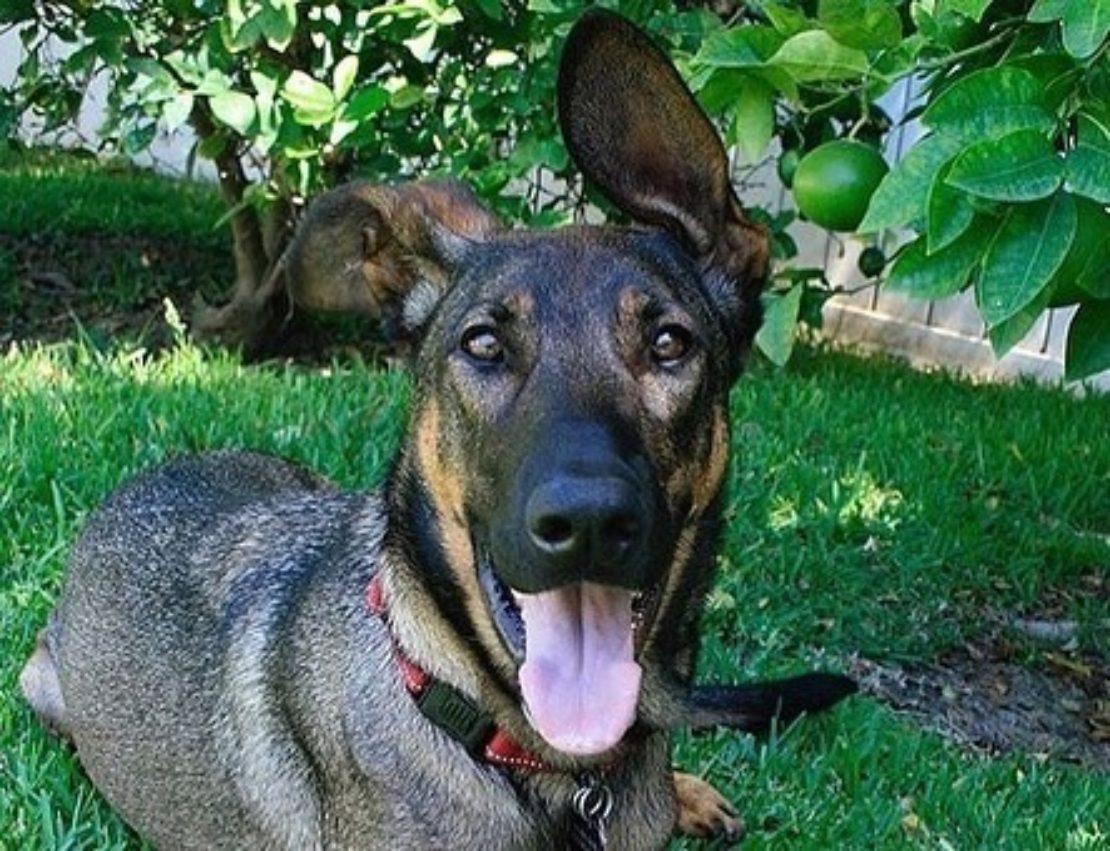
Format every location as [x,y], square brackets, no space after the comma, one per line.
[578,553]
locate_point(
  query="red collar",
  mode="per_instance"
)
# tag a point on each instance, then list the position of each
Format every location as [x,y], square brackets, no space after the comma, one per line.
[450,709]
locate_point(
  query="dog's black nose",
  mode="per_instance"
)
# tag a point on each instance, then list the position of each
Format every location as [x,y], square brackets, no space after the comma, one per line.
[585,522]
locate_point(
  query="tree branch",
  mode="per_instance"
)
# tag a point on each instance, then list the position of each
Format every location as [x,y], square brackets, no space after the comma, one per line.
[251,261]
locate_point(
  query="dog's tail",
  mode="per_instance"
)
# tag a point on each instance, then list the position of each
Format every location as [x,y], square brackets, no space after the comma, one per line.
[755,706]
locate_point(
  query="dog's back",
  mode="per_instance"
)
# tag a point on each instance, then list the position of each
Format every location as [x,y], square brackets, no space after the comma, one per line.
[141,633]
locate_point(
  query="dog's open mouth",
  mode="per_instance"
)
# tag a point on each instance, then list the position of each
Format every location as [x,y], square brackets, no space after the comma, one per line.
[577,647]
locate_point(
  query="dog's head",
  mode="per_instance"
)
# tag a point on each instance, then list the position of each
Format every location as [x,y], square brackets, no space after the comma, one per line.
[569,436]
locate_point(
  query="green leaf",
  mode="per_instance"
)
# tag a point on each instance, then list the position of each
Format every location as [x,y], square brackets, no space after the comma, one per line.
[1029,247]
[186,67]
[343,76]
[210,147]
[945,272]
[214,82]
[1047,11]
[739,47]
[902,195]
[531,152]
[265,90]
[273,20]
[1086,269]
[18,11]
[1095,278]
[949,213]
[1056,73]
[233,109]
[1008,333]
[1088,172]
[491,9]
[815,56]
[265,85]
[176,110]
[501,59]
[138,139]
[313,102]
[365,102]
[1087,351]
[900,60]
[1085,22]
[82,60]
[863,24]
[422,45]
[406,97]
[990,103]
[726,51]
[786,19]
[445,15]
[340,129]
[278,22]
[235,17]
[1021,166]
[1088,163]
[753,119]
[780,317]
[720,88]
[107,24]
[149,68]
[973,9]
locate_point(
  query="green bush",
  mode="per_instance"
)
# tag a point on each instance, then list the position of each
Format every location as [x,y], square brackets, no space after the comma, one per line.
[1007,191]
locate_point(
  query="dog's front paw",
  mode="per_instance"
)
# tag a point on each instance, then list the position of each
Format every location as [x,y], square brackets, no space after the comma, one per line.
[703,812]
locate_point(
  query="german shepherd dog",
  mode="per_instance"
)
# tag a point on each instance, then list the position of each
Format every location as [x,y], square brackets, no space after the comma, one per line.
[490,652]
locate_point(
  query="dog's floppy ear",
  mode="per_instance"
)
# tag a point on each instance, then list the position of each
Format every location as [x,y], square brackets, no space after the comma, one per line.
[635,130]
[384,251]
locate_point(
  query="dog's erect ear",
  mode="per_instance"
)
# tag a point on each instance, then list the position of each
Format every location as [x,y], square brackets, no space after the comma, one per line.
[635,130]
[384,251]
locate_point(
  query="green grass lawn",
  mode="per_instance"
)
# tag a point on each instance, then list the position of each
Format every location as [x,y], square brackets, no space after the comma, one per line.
[48,192]
[875,512]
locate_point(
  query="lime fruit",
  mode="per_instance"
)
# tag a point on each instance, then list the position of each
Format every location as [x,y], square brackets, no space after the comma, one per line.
[788,165]
[834,183]
[871,261]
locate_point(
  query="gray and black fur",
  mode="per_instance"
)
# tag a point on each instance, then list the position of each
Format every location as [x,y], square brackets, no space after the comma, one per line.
[213,657]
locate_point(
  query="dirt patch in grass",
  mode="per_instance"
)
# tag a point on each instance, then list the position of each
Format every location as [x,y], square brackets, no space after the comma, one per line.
[109,284]
[1054,702]
[113,287]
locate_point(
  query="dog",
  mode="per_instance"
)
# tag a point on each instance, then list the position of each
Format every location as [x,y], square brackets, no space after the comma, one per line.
[492,650]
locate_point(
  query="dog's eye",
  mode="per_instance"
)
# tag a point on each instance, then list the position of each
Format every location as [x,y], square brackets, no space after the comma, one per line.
[482,344]
[670,345]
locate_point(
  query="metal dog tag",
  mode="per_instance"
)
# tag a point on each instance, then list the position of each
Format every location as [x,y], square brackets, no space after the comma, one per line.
[591,805]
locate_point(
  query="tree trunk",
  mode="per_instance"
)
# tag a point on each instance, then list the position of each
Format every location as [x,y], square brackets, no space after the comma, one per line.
[252,318]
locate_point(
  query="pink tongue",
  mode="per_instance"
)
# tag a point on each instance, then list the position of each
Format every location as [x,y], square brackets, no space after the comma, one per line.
[579,681]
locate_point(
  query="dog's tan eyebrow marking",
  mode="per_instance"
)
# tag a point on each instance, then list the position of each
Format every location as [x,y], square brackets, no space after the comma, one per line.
[515,305]
[486,311]
[634,303]
[518,303]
